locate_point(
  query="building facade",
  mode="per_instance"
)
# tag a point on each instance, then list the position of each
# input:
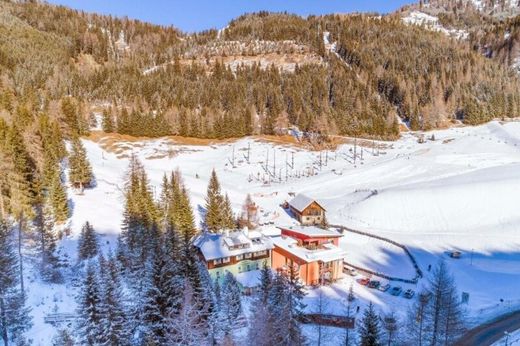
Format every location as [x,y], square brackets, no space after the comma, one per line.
[307,210]
[241,253]
[312,251]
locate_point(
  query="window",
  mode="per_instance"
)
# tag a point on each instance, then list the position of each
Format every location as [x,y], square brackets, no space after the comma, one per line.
[226,260]
[239,257]
[248,255]
[260,253]
[217,261]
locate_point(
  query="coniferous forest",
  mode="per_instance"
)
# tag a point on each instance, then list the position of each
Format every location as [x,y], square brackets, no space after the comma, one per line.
[361,75]
[152,81]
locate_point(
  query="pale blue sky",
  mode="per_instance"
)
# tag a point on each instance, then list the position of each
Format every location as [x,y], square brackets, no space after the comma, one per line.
[196,15]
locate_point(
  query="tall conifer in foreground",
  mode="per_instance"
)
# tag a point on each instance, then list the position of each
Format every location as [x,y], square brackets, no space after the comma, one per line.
[14,316]
[370,329]
[89,329]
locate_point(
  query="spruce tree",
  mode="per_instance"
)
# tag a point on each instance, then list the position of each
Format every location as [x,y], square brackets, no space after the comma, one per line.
[21,187]
[107,122]
[228,219]
[370,329]
[214,204]
[162,297]
[58,198]
[186,326]
[88,246]
[49,263]
[63,338]
[260,327]
[80,172]
[231,300]
[296,293]
[114,326]
[89,328]
[14,316]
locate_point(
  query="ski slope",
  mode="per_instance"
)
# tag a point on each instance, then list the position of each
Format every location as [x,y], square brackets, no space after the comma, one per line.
[459,192]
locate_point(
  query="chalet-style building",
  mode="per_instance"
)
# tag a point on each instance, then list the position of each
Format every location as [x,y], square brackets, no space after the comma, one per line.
[242,253]
[314,253]
[307,210]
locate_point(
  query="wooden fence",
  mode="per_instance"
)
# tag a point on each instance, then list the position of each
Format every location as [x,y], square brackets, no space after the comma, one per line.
[418,271]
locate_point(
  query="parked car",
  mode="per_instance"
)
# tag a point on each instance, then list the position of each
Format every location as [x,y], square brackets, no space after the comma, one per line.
[374,284]
[409,293]
[350,271]
[353,272]
[364,281]
[396,290]
[384,288]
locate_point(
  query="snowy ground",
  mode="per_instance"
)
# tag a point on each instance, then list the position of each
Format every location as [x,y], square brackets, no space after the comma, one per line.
[460,191]
[512,340]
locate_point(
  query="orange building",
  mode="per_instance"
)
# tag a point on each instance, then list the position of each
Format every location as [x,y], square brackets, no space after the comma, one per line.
[313,251]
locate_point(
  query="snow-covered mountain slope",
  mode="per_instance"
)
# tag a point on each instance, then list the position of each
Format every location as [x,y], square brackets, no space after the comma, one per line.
[460,191]
[432,23]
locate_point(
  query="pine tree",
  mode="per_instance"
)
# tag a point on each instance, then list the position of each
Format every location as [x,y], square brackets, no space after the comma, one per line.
[370,330]
[88,246]
[80,172]
[14,316]
[214,203]
[89,329]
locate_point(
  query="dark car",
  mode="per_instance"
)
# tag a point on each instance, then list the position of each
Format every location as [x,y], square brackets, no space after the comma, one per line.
[409,293]
[396,290]
[384,288]
[364,281]
[374,284]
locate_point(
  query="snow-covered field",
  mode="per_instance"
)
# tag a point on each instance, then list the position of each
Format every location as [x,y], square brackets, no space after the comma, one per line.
[513,339]
[459,192]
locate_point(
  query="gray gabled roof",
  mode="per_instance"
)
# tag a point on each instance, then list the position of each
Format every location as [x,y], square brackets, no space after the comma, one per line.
[301,202]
